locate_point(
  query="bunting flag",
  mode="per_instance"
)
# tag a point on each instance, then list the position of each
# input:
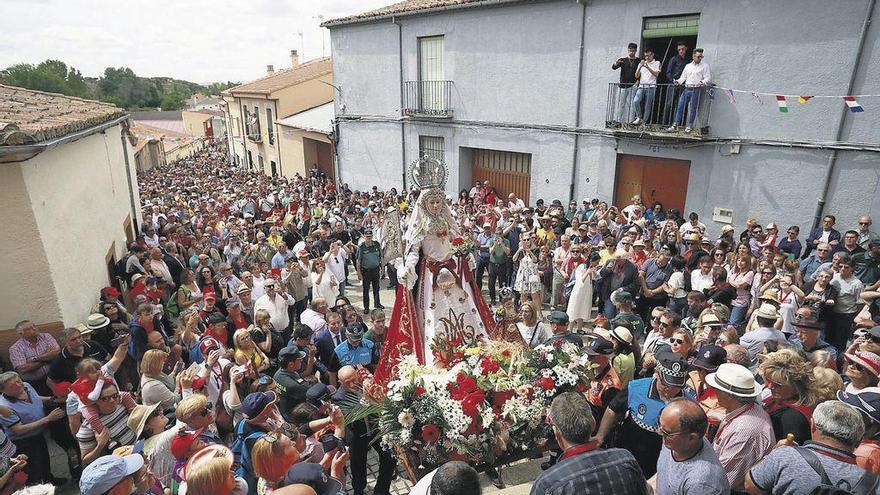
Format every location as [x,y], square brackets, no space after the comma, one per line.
[803,99]
[853,105]
[782,104]
[731,97]
[758,97]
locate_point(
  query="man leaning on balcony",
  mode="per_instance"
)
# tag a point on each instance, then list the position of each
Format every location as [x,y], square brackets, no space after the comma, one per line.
[694,77]
[646,73]
[627,66]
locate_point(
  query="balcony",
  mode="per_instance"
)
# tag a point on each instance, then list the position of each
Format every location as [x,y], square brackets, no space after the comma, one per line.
[659,107]
[253,133]
[429,99]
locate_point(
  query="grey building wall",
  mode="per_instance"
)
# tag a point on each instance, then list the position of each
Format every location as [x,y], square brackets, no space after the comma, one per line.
[517,66]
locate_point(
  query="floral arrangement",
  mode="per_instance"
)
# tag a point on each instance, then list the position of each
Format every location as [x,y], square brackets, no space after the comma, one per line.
[461,246]
[489,401]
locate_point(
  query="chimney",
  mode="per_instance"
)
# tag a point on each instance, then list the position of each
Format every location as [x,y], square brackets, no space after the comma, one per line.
[294,58]
[270,69]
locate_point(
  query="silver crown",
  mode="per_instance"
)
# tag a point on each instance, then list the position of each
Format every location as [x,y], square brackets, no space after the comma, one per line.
[428,172]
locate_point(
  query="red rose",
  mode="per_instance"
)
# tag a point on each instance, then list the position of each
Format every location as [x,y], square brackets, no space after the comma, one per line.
[581,387]
[471,404]
[546,383]
[466,383]
[500,398]
[430,433]
[490,366]
[475,427]
[505,353]
[419,391]
[458,241]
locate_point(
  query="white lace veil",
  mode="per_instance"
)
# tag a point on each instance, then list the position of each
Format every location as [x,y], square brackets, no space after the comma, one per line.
[422,222]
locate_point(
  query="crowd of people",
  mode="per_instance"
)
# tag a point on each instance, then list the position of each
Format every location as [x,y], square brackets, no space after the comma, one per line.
[229,358]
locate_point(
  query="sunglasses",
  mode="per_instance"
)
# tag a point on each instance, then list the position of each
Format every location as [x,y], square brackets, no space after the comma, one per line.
[109,398]
[766,273]
[857,366]
[663,324]
[864,223]
[676,341]
[667,434]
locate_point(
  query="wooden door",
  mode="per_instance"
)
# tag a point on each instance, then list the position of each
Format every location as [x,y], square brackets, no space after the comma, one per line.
[324,153]
[506,171]
[656,179]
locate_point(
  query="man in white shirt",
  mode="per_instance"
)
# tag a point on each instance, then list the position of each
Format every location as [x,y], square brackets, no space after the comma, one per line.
[515,203]
[275,303]
[694,77]
[646,73]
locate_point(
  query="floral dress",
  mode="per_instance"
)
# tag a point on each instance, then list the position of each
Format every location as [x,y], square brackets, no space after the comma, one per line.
[528,279]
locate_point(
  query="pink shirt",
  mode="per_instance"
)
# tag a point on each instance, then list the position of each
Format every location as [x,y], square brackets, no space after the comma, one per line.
[22,351]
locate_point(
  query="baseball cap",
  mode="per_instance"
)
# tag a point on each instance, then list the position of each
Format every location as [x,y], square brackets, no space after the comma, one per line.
[292,351]
[866,400]
[255,403]
[558,317]
[182,441]
[600,347]
[710,357]
[312,474]
[100,476]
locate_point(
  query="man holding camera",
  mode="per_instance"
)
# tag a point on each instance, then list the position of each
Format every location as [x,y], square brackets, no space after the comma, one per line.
[290,385]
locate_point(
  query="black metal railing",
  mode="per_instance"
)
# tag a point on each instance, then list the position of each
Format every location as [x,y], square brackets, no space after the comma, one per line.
[427,98]
[659,108]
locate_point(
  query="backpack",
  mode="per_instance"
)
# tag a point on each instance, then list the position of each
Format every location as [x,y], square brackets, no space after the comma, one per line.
[866,485]
[241,455]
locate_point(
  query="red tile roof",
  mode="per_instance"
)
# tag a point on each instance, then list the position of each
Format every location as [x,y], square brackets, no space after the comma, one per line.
[410,7]
[28,116]
[284,78]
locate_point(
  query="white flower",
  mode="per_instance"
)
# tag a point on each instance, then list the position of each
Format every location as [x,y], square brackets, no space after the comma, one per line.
[406,419]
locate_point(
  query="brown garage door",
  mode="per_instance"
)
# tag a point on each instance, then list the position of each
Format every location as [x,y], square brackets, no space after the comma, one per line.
[507,171]
[655,179]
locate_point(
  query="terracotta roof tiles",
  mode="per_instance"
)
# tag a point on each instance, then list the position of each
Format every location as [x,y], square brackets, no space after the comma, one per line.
[285,78]
[409,7]
[28,116]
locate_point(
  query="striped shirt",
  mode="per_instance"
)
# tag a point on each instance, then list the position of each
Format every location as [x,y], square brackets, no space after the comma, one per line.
[595,472]
[116,423]
[7,448]
[21,352]
[744,437]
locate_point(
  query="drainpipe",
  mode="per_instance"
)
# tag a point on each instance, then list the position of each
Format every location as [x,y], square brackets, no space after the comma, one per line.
[832,159]
[577,111]
[123,136]
[402,122]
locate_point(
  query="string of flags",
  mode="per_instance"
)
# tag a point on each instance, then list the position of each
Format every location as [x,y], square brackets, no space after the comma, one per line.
[782,100]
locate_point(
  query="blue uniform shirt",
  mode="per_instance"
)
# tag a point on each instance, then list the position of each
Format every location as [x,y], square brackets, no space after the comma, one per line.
[353,356]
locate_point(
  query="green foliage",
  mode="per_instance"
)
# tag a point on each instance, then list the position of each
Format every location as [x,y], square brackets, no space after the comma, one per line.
[172,101]
[120,86]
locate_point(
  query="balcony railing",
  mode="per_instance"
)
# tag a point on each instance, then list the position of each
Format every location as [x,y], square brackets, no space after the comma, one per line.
[427,99]
[253,133]
[656,109]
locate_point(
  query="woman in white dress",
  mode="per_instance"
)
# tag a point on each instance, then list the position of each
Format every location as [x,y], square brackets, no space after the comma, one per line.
[580,302]
[533,330]
[528,279]
[324,283]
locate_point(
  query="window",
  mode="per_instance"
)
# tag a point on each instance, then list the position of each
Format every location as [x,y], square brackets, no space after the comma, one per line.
[257,132]
[431,146]
[274,168]
[261,162]
[270,127]
[431,74]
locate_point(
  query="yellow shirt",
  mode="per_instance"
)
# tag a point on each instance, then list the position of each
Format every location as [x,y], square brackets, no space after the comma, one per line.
[275,241]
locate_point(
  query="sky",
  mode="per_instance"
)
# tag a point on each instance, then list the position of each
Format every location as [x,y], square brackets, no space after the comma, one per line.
[195,40]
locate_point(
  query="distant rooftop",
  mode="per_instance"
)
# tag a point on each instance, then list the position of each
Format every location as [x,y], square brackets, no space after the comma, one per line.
[28,116]
[158,115]
[411,7]
[285,78]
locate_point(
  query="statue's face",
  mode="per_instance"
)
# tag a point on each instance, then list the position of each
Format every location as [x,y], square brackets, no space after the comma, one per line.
[435,205]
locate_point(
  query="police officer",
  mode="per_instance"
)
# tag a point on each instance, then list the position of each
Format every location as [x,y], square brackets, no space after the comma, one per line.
[640,405]
[366,262]
[355,349]
[559,326]
[623,302]
[291,387]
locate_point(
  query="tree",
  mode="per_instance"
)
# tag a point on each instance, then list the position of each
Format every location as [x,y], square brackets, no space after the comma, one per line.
[173,101]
